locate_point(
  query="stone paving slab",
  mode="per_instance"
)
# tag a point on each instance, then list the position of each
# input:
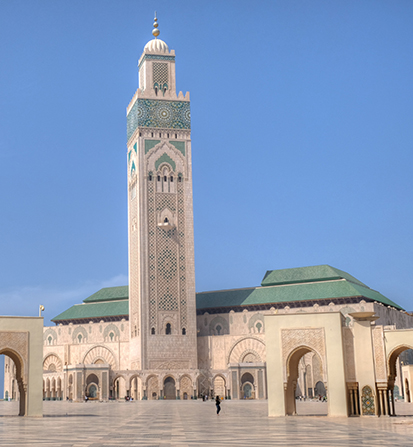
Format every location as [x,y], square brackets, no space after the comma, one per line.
[194,423]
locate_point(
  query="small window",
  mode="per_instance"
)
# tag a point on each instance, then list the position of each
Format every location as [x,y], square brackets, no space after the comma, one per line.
[150,177]
[218,329]
[167,135]
[183,331]
[50,339]
[79,337]
[164,178]
[159,178]
[168,330]
[176,135]
[165,220]
[140,134]
[160,135]
[152,134]
[179,179]
[111,335]
[153,331]
[172,179]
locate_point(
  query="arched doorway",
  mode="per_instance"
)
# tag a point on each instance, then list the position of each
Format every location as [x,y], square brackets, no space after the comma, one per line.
[59,388]
[18,368]
[292,377]
[119,387]
[320,389]
[70,387]
[386,396]
[135,388]
[92,386]
[407,390]
[247,386]
[92,391]
[219,386]
[169,390]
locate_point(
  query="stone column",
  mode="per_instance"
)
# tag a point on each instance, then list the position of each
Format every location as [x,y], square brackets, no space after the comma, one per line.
[364,356]
[351,391]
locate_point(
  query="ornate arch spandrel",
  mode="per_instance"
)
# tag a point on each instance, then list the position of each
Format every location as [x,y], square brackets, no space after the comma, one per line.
[100,352]
[52,359]
[245,344]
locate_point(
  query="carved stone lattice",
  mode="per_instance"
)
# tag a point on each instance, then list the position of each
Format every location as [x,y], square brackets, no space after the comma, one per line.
[291,339]
[19,343]
[152,387]
[185,386]
[379,354]
[244,346]
[348,340]
[100,353]
[52,363]
[173,365]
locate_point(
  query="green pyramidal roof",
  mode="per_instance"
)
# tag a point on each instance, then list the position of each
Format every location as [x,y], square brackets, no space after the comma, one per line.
[109,294]
[306,274]
[321,282]
[288,293]
[84,312]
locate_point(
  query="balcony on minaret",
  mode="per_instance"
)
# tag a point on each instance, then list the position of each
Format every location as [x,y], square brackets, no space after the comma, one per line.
[166,225]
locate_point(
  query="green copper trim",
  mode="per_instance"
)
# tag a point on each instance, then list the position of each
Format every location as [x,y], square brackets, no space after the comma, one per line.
[155,57]
[149,144]
[180,145]
[164,158]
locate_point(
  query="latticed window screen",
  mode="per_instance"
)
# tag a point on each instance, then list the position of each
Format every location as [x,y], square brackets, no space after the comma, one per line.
[160,73]
[167,273]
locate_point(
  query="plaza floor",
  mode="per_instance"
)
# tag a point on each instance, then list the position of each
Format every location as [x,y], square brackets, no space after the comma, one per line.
[194,423]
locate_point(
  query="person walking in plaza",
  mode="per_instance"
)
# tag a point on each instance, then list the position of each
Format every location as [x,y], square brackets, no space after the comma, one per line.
[218,404]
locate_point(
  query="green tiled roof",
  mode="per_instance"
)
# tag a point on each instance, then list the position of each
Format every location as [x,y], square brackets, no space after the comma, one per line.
[304,291]
[306,274]
[89,311]
[109,294]
[278,286]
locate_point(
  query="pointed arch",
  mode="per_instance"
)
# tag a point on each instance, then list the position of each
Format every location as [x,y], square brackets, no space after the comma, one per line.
[52,362]
[100,352]
[245,345]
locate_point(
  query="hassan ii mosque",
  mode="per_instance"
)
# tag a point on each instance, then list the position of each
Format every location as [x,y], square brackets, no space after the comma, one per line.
[159,339]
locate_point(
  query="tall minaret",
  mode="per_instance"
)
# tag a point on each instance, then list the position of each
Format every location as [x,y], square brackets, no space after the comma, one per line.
[162,310]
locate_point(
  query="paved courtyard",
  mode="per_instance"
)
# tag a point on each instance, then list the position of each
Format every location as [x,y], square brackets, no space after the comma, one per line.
[194,423]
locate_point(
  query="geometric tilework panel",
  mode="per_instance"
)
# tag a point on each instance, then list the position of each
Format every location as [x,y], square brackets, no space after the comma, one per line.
[158,114]
[167,275]
[367,402]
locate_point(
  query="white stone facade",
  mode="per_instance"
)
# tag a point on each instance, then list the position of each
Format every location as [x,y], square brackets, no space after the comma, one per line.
[164,349]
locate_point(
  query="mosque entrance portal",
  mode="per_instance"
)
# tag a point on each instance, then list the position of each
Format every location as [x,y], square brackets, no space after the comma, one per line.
[169,389]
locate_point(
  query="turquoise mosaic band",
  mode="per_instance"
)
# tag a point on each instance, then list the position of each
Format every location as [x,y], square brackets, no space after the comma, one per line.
[156,57]
[159,115]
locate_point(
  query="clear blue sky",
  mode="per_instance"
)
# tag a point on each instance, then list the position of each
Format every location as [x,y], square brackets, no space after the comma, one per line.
[302,140]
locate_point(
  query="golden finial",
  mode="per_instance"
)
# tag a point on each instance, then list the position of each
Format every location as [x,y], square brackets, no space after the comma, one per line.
[155,30]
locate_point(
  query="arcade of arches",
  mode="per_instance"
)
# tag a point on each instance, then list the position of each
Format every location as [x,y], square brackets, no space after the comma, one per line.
[21,343]
[355,367]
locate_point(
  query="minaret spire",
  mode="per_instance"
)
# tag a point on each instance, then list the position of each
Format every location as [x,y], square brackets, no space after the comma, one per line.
[155,30]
